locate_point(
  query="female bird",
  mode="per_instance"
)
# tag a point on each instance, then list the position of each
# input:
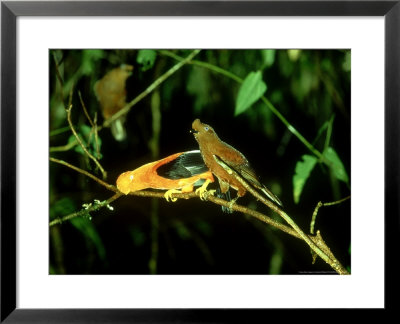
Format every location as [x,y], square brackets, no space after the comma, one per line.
[210,146]
[111,93]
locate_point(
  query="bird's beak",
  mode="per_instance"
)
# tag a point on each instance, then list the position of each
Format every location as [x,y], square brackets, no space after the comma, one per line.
[193,131]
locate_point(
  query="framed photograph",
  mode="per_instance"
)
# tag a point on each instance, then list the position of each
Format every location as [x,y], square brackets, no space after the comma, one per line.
[197,161]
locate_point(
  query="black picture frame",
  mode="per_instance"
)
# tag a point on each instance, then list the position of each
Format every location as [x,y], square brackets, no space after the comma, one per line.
[390,10]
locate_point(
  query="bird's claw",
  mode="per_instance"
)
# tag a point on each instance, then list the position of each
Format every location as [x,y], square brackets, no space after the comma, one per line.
[168,195]
[231,203]
[204,193]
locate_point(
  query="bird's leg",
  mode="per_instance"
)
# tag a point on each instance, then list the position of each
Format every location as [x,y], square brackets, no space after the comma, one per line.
[202,191]
[169,193]
[232,202]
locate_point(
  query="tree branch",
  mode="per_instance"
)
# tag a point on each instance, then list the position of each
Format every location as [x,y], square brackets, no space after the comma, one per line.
[331,261]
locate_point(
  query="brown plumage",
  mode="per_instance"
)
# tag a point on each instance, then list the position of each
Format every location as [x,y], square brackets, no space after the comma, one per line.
[211,145]
[111,93]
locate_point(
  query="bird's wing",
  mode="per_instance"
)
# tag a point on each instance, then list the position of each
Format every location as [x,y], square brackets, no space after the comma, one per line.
[247,172]
[186,165]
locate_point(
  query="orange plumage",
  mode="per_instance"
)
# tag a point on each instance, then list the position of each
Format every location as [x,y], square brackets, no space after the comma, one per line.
[178,172]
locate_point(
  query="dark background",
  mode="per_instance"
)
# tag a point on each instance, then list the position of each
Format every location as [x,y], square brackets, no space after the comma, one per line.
[145,235]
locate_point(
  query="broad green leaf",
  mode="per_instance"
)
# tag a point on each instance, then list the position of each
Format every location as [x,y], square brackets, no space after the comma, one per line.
[146,59]
[252,88]
[86,227]
[302,172]
[336,164]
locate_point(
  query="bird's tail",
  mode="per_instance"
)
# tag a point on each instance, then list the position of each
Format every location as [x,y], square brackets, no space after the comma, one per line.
[118,129]
[226,196]
[271,196]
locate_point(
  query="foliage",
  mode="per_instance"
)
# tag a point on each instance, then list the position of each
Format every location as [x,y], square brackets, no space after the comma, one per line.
[302,173]
[252,89]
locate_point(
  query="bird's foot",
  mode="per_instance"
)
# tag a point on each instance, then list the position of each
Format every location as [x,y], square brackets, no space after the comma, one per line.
[204,195]
[203,192]
[168,195]
[232,202]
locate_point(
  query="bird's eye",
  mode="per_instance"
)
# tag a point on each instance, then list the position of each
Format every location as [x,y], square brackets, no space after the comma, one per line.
[206,128]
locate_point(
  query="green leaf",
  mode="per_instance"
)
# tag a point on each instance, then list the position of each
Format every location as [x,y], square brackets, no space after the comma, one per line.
[146,59]
[336,165]
[252,88]
[302,172]
[86,227]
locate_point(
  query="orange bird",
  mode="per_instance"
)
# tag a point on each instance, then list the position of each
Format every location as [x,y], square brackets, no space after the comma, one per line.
[210,146]
[177,173]
[111,94]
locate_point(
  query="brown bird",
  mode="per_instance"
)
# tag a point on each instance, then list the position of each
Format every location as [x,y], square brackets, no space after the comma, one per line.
[210,146]
[111,94]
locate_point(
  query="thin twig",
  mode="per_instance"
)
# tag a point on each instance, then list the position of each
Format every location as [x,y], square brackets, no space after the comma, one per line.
[101,182]
[154,85]
[59,131]
[63,148]
[85,211]
[85,110]
[82,145]
[96,137]
[59,78]
[321,204]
